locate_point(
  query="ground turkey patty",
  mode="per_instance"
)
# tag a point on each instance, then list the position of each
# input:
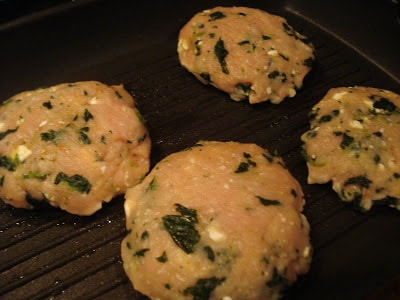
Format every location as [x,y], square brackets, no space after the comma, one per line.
[74,145]
[221,220]
[354,141]
[246,52]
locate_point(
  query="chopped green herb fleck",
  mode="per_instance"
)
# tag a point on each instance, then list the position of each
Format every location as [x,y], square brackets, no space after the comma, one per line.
[2,180]
[216,15]
[77,182]
[266,37]
[87,115]
[152,185]
[83,135]
[269,158]
[377,159]
[244,87]
[246,42]
[7,132]
[291,32]
[145,235]
[35,175]
[182,228]
[163,258]
[383,103]
[284,56]
[277,74]
[197,47]
[347,141]
[325,119]
[311,134]
[203,288]
[141,252]
[9,163]
[50,135]
[243,167]
[119,96]
[268,202]
[210,253]
[47,104]
[221,53]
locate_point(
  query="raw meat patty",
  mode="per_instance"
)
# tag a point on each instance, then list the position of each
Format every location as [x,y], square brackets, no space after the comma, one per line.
[221,220]
[73,145]
[354,141]
[246,52]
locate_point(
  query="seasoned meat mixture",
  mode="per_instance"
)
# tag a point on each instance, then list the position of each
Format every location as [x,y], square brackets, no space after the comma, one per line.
[246,52]
[220,220]
[73,145]
[354,141]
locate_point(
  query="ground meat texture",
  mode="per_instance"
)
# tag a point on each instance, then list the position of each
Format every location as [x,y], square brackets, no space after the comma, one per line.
[220,220]
[246,52]
[354,141]
[73,145]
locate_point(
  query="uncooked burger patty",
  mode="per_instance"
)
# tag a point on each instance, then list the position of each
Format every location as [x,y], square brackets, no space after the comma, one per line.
[73,145]
[246,52]
[220,220]
[354,141]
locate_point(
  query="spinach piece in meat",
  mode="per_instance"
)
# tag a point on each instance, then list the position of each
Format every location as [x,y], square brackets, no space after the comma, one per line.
[50,135]
[268,202]
[383,103]
[221,53]
[203,288]
[87,115]
[9,163]
[216,15]
[7,132]
[83,135]
[182,228]
[77,182]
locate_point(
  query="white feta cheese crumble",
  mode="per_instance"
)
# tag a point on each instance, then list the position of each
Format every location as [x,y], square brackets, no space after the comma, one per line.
[339,96]
[23,152]
[43,123]
[356,124]
[272,52]
[20,120]
[94,100]
[215,234]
